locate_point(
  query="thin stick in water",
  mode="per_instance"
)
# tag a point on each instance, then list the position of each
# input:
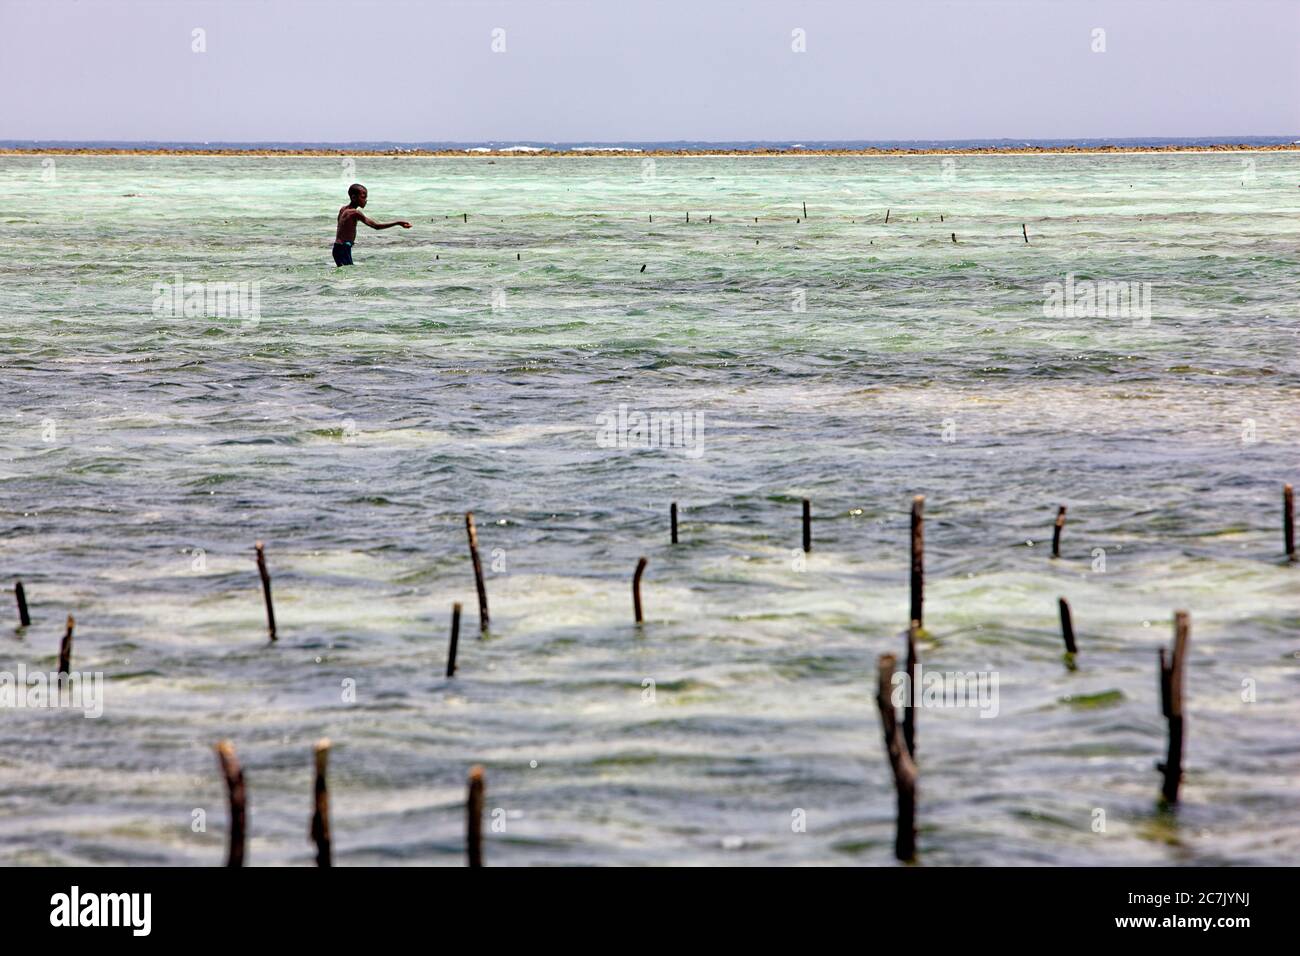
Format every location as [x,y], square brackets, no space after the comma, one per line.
[1056,531]
[636,589]
[1171,693]
[266,588]
[805,210]
[1288,522]
[1025,232]
[887,217]
[807,526]
[918,559]
[25,619]
[672,516]
[909,714]
[455,639]
[472,532]
[1067,628]
[235,788]
[65,649]
[474,817]
[320,818]
[899,762]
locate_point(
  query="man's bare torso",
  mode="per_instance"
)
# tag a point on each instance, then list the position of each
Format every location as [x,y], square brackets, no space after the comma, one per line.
[349,216]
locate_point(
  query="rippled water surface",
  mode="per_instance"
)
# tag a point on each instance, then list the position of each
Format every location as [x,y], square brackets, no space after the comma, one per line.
[465,364]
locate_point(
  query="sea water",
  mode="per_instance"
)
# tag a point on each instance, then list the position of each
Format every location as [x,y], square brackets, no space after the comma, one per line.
[508,355]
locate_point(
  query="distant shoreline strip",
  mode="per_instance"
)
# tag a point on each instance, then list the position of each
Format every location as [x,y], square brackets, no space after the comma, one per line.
[589,152]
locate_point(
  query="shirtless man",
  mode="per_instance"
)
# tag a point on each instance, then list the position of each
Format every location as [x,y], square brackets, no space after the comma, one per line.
[349,216]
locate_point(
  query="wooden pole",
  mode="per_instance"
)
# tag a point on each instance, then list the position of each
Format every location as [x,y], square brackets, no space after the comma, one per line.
[899,762]
[1056,531]
[918,559]
[672,514]
[1288,522]
[320,819]
[805,210]
[1067,628]
[478,573]
[25,619]
[636,589]
[455,639]
[266,588]
[807,526]
[235,787]
[1025,232]
[65,649]
[909,714]
[474,814]
[887,217]
[1171,694]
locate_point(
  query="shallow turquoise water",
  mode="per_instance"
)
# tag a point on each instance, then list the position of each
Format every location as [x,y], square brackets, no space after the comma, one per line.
[356,420]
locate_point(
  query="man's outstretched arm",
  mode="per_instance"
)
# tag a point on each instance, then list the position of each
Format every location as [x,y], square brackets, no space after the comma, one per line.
[384,225]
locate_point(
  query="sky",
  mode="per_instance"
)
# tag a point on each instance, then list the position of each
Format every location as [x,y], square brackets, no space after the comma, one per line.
[647,70]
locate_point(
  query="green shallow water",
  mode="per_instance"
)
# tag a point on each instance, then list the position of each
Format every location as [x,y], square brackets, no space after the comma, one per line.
[838,358]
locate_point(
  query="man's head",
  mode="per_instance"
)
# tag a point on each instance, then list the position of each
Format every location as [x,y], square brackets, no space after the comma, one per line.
[357,193]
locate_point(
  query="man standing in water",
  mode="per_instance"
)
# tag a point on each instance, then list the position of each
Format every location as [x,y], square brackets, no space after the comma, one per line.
[349,216]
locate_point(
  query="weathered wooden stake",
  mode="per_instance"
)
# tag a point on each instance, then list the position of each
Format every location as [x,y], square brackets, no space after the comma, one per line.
[235,787]
[807,526]
[455,639]
[320,818]
[1067,629]
[918,559]
[1171,699]
[899,761]
[65,649]
[636,589]
[25,619]
[805,210]
[1056,531]
[266,588]
[1288,523]
[474,814]
[478,573]
[466,215]
[1025,232]
[887,217]
[909,714]
[672,514]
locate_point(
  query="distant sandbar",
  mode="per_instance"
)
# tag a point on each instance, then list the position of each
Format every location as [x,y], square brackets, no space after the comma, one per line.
[526,152]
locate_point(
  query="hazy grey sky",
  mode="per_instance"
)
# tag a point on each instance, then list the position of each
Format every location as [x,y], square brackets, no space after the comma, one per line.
[619,70]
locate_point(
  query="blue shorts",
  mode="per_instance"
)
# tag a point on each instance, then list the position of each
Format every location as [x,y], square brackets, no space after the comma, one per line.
[342,253]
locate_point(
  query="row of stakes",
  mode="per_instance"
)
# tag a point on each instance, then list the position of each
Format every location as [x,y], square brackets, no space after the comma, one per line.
[1024,230]
[900,740]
